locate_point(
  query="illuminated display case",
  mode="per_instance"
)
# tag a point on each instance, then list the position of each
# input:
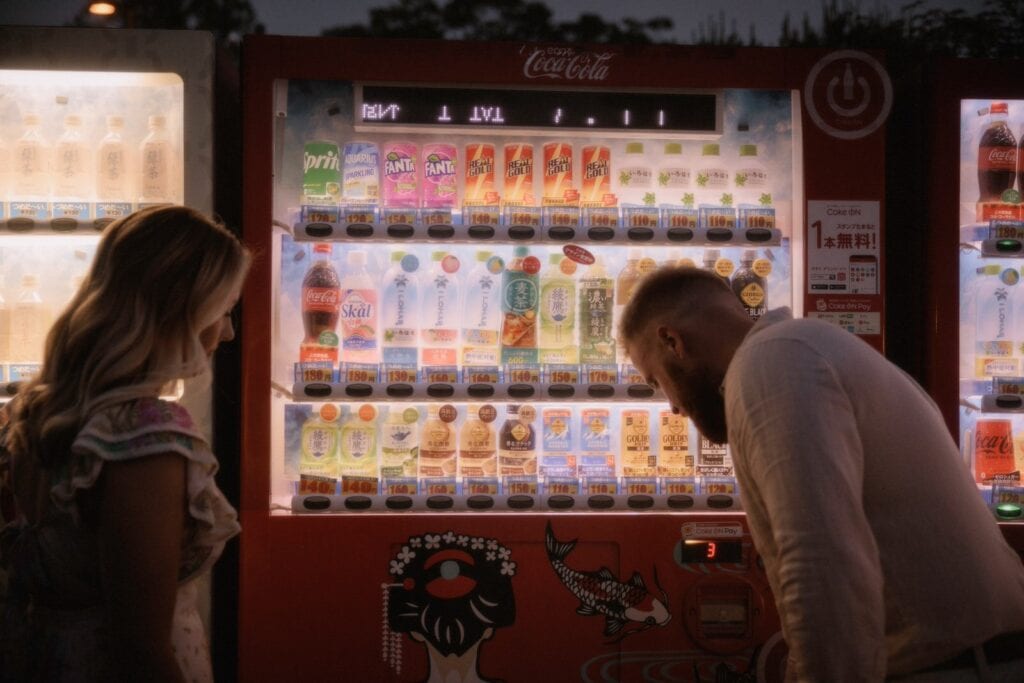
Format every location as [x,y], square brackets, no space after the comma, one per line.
[432,377]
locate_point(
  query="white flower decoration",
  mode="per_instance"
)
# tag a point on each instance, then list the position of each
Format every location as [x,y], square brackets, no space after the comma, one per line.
[463,540]
[504,553]
[432,541]
[397,567]
[449,538]
[491,556]
[477,544]
[416,542]
[406,554]
[492,544]
[508,568]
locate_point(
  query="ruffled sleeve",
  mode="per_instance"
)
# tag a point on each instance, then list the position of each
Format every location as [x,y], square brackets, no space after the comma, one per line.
[149,427]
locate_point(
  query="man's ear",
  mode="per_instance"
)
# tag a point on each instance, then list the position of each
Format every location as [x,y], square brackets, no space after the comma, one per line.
[671,339]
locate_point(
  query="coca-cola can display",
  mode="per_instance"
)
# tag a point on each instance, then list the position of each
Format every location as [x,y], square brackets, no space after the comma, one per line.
[993,449]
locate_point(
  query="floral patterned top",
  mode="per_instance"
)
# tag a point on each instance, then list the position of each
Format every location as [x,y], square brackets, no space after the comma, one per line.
[54,603]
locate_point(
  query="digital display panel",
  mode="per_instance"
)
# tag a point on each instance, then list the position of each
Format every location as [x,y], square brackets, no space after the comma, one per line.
[710,551]
[387,105]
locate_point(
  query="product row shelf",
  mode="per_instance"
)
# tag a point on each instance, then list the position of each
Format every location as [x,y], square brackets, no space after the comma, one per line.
[422,391]
[996,395]
[311,503]
[537,234]
[54,226]
[999,238]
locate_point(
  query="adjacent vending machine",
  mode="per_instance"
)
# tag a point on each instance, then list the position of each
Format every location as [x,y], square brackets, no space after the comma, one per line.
[94,124]
[451,468]
[977,231]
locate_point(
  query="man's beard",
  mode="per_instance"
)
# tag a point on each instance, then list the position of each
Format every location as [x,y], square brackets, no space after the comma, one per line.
[708,407]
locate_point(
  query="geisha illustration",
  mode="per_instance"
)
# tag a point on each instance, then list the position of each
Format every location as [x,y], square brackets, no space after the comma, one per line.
[450,592]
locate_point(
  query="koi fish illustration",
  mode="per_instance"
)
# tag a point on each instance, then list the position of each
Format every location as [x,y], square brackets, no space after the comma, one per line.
[601,592]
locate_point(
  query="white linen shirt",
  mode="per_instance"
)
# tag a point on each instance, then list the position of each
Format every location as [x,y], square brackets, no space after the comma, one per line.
[882,556]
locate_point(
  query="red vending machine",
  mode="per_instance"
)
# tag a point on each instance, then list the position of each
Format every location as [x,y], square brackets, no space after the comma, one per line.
[977,232]
[451,470]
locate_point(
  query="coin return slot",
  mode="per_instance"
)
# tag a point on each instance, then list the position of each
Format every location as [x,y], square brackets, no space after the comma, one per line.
[358,503]
[521,232]
[440,390]
[440,231]
[481,232]
[359,390]
[601,502]
[561,502]
[359,230]
[723,617]
[316,502]
[398,503]
[520,502]
[640,234]
[317,390]
[521,390]
[440,503]
[561,233]
[401,231]
[480,390]
[479,502]
[719,234]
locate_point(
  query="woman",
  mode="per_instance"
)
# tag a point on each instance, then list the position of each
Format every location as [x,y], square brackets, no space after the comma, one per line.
[118,509]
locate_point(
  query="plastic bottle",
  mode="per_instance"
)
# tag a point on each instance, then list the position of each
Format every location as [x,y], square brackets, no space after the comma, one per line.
[399,305]
[597,316]
[997,155]
[5,332]
[156,167]
[439,322]
[112,175]
[558,311]
[751,288]
[438,444]
[712,175]
[399,443]
[72,163]
[517,454]
[714,262]
[357,312]
[675,177]
[358,444]
[635,177]
[478,443]
[624,284]
[520,297]
[29,322]
[481,320]
[994,352]
[321,296]
[751,181]
[31,159]
[318,459]
[5,171]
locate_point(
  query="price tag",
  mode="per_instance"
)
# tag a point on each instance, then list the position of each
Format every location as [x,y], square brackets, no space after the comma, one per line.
[719,486]
[481,375]
[360,372]
[523,215]
[364,486]
[483,215]
[602,374]
[681,217]
[673,487]
[523,374]
[1006,230]
[400,487]
[320,213]
[445,375]
[602,486]
[633,376]
[436,216]
[440,487]
[405,374]
[398,216]
[562,374]
[311,484]
[480,487]
[360,215]
[314,371]
[521,487]
[642,486]
[641,216]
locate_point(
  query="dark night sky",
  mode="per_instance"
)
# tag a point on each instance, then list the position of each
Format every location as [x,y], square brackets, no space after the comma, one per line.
[308,17]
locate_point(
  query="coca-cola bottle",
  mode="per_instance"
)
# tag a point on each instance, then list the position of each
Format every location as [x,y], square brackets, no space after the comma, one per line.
[321,296]
[997,156]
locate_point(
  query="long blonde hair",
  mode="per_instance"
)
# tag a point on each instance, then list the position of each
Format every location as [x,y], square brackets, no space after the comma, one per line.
[160,276]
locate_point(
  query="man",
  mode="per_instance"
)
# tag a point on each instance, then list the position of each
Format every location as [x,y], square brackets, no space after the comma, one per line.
[883,558]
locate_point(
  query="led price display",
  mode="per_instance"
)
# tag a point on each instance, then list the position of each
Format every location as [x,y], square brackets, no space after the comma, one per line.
[441,107]
[711,551]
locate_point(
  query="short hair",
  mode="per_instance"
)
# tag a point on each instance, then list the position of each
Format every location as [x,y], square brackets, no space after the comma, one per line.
[160,276]
[671,292]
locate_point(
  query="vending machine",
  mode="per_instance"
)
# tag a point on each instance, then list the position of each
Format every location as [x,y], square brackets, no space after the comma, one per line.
[451,468]
[94,124]
[976,230]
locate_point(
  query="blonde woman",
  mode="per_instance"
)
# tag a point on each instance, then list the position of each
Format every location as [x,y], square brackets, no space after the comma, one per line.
[117,506]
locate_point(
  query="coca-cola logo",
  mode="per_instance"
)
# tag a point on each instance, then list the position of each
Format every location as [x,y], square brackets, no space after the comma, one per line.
[998,443]
[323,299]
[565,63]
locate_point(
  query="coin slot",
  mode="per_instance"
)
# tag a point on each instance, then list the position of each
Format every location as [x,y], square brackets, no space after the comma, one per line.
[358,503]
[441,231]
[319,229]
[359,390]
[601,502]
[401,231]
[398,503]
[316,502]
[317,390]
[359,230]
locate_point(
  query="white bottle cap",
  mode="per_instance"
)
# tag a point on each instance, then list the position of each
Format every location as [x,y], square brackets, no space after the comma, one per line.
[157,121]
[73,120]
[115,121]
[356,258]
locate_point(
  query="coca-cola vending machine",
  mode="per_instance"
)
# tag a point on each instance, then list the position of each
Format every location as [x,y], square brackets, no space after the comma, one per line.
[449,463]
[976,230]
